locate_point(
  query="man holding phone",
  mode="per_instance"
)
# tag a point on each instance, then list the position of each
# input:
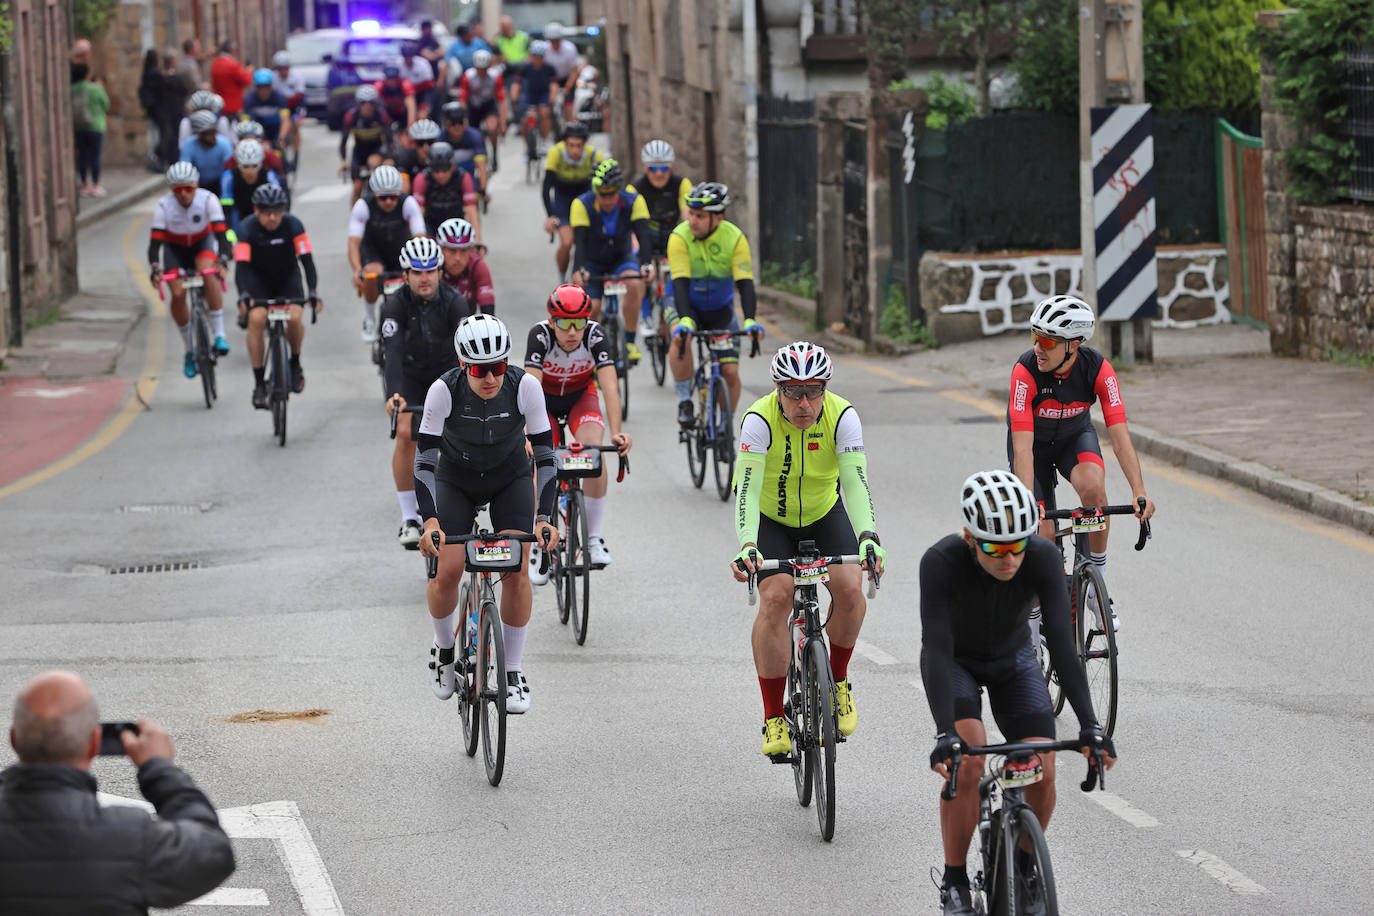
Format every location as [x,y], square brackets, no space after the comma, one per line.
[61,851]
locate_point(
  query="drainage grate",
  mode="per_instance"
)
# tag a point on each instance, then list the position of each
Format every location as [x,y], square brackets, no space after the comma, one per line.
[176,566]
[168,508]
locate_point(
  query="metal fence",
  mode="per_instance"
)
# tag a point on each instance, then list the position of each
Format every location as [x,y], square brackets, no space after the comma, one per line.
[787,183]
[1359,122]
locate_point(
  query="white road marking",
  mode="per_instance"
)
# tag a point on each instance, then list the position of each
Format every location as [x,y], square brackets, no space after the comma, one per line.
[325,192]
[232,896]
[1228,876]
[1122,809]
[873,653]
[51,393]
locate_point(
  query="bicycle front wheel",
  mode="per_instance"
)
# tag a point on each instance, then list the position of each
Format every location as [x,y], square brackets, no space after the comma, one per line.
[580,565]
[696,452]
[723,441]
[491,654]
[820,734]
[793,706]
[560,563]
[1042,655]
[469,705]
[658,346]
[1097,644]
[281,386]
[1026,889]
[205,358]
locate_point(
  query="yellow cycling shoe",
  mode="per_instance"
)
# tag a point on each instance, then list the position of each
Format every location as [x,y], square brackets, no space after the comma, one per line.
[845,715]
[775,737]
[632,353]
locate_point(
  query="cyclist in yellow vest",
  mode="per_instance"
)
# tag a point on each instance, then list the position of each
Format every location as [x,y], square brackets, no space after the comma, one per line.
[708,258]
[800,446]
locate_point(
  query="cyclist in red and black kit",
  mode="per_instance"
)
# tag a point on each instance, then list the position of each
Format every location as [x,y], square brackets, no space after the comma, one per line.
[464,268]
[571,356]
[397,98]
[368,129]
[1049,424]
[443,191]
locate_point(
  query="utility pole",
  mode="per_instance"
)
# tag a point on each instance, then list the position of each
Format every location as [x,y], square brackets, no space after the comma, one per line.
[1111,71]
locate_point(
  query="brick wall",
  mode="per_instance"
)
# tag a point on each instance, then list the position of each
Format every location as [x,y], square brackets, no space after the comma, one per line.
[117,56]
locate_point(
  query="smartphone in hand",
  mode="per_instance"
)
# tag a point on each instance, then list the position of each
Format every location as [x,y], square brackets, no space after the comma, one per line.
[110,743]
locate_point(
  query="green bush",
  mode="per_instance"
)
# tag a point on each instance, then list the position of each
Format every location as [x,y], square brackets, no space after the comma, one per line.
[1046,65]
[893,321]
[799,281]
[89,17]
[950,100]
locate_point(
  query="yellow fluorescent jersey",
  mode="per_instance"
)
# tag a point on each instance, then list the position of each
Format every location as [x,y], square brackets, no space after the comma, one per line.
[568,173]
[714,264]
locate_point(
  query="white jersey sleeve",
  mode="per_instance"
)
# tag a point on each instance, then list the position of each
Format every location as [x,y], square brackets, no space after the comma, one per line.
[754,435]
[357,220]
[414,215]
[849,434]
[530,398]
[438,405]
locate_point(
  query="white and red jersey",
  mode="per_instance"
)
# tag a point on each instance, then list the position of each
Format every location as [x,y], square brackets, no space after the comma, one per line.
[567,373]
[419,72]
[476,89]
[185,226]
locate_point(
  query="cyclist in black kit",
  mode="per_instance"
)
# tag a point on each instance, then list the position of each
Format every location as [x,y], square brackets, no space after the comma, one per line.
[272,248]
[371,135]
[472,453]
[977,590]
[418,323]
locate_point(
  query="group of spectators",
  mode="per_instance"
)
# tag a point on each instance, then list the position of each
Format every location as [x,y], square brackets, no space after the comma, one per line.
[167,83]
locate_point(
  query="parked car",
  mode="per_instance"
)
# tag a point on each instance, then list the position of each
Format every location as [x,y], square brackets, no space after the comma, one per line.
[311,53]
[369,52]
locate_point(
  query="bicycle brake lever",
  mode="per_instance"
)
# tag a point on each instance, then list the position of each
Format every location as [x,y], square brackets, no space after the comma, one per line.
[1094,772]
[432,563]
[951,788]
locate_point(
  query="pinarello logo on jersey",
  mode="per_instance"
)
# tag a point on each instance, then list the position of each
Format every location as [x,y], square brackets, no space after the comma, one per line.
[1019,398]
[1113,395]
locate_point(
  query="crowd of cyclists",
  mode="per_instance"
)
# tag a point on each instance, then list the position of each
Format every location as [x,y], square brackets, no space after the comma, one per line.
[478,431]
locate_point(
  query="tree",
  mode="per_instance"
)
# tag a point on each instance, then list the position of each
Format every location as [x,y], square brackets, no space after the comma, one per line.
[892,26]
[968,27]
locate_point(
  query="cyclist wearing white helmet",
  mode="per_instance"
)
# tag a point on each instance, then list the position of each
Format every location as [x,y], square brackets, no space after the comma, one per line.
[418,324]
[245,174]
[368,128]
[205,100]
[1049,425]
[665,194]
[800,446]
[483,90]
[464,267]
[291,86]
[412,157]
[417,70]
[377,228]
[188,234]
[977,590]
[539,88]
[207,149]
[471,453]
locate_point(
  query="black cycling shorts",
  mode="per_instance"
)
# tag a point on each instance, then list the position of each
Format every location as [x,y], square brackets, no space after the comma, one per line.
[833,534]
[509,491]
[369,255]
[289,288]
[1061,456]
[184,256]
[414,392]
[481,111]
[1017,693]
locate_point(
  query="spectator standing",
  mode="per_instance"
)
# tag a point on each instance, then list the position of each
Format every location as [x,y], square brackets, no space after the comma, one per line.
[81,57]
[90,102]
[190,73]
[62,852]
[229,79]
[150,93]
[171,108]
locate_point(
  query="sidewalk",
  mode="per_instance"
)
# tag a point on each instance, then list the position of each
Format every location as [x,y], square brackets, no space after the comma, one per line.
[124,184]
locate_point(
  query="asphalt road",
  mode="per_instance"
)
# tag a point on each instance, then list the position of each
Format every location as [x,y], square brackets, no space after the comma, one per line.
[635,783]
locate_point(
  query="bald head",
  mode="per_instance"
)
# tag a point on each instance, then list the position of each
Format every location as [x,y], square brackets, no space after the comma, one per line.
[54,718]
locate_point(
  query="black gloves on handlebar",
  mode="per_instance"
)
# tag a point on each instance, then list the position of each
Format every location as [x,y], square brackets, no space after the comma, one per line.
[947,747]
[1093,737]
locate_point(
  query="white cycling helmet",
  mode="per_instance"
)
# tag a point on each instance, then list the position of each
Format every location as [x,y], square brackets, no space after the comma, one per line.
[455,233]
[539,48]
[203,120]
[249,153]
[481,59]
[365,93]
[281,59]
[1064,316]
[181,174]
[385,180]
[482,338]
[248,129]
[553,31]
[657,152]
[801,362]
[421,253]
[999,507]
[424,129]
[204,99]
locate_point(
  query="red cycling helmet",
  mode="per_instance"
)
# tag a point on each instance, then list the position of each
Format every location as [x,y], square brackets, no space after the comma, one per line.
[569,301]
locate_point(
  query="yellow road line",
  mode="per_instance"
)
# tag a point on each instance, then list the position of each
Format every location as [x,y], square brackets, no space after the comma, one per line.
[143,388]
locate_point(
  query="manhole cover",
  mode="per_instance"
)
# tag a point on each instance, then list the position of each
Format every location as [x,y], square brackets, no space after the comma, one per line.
[167,508]
[175,566]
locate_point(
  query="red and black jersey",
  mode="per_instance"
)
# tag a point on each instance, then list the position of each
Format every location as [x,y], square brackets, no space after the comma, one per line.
[1056,406]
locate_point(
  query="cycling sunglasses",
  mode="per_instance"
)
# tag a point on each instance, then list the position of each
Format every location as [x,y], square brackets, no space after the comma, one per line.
[997,550]
[482,370]
[604,191]
[382,197]
[797,392]
[1046,343]
[570,324]
[658,169]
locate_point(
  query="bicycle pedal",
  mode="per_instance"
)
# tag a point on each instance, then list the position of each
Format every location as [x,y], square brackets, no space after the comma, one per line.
[782,758]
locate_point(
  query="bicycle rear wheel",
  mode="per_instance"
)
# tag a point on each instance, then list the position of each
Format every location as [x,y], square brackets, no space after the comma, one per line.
[792,708]
[491,654]
[1020,889]
[281,386]
[657,345]
[820,734]
[696,452]
[469,708]
[1097,645]
[580,565]
[723,440]
[1042,655]
[205,358]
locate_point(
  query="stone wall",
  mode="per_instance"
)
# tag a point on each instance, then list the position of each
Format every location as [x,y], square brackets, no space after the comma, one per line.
[972,296]
[1333,280]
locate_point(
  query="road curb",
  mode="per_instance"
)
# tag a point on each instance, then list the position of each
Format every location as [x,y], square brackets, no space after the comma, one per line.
[804,309]
[109,205]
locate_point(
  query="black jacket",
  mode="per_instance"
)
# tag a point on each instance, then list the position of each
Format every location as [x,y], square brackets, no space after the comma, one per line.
[62,853]
[418,336]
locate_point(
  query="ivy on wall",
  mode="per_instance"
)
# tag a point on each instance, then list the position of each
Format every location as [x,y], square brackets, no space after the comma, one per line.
[90,17]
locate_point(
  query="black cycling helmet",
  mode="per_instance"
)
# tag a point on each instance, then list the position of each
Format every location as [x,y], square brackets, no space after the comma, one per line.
[711,196]
[441,156]
[455,113]
[269,197]
[391,72]
[608,174]
[576,129]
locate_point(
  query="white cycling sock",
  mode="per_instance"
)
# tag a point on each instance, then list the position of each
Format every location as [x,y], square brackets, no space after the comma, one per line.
[443,631]
[1100,561]
[217,322]
[370,311]
[1035,627]
[185,330]
[409,507]
[596,511]
[514,639]
[683,389]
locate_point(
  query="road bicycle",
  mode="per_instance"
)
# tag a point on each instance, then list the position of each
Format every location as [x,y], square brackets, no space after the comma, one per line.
[613,288]
[279,382]
[809,704]
[536,146]
[1004,886]
[655,323]
[390,280]
[480,662]
[571,563]
[202,337]
[713,426]
[1094,635]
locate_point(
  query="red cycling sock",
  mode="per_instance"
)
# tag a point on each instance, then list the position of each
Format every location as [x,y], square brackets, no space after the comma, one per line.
[773,689]
[839,661]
